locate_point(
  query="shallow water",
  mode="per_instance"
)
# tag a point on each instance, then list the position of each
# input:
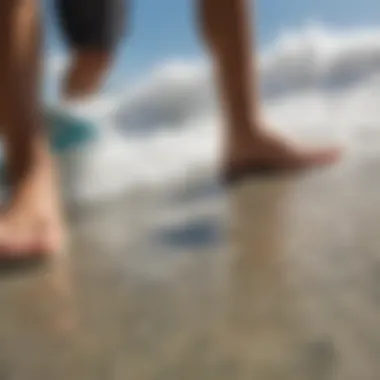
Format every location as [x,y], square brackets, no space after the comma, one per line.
[276,279]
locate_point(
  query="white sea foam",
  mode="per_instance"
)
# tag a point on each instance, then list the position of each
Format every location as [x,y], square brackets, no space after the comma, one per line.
[317,85]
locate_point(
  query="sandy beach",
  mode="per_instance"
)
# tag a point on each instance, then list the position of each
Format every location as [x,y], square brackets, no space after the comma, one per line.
[274,279]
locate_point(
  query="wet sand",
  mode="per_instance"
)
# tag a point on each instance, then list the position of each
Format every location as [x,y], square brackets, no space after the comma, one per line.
[278,279]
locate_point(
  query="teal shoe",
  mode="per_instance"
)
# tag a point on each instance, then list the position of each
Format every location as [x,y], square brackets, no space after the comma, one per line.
[68,132]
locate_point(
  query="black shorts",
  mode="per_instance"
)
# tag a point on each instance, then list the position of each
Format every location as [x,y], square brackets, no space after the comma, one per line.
[92,24]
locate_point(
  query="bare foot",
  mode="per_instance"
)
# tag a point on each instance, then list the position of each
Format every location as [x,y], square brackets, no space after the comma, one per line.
[267,153]
[32,225]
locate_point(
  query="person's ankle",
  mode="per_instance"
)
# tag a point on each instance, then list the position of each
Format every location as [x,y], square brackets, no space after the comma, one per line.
[246,135]
[23,155]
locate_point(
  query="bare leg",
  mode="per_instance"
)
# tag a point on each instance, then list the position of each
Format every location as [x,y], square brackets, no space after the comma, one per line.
[92,29]
[32,221]
[225,26]
[86,73]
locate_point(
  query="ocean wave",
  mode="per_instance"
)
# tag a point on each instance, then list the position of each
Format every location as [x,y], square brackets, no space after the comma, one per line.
[318,86]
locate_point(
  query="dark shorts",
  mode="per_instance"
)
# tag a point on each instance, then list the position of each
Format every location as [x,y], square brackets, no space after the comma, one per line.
[92,24]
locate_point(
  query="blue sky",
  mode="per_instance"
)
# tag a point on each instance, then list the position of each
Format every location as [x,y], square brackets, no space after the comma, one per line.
[164,29]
